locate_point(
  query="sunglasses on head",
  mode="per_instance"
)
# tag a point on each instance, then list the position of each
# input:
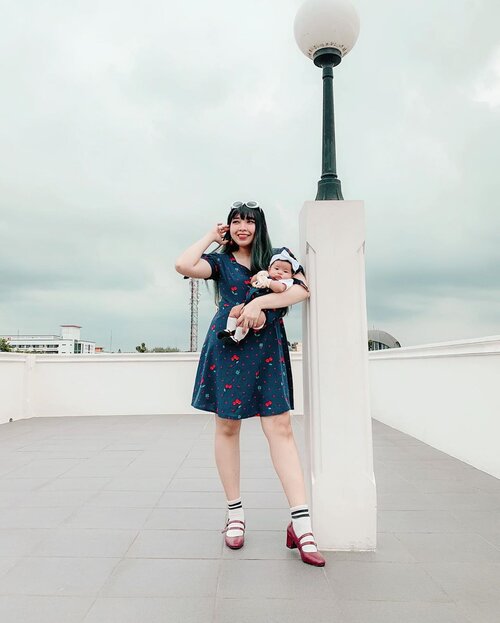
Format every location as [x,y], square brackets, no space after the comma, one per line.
[237,205]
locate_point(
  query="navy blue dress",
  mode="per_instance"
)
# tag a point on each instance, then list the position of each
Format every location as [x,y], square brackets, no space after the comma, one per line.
[254,377]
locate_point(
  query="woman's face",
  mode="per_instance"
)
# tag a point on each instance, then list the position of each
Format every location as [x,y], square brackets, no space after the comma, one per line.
[242,231]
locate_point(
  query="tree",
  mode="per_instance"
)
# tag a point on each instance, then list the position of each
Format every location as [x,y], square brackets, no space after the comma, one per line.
[166,349]
[157,349]
[5,346]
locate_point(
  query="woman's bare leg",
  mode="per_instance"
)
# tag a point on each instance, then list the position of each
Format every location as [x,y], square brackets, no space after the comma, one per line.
[285,456]
[227,455]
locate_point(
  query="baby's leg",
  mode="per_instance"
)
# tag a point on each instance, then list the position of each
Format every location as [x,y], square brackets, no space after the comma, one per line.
[234,314]
[236,311]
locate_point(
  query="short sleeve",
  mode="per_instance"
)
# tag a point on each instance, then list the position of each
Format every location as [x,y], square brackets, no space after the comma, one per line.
[214,260]
[288,282]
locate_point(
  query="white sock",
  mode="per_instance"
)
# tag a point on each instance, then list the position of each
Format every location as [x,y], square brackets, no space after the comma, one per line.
[231,323]
[235,511]
[239,334]
[301,522]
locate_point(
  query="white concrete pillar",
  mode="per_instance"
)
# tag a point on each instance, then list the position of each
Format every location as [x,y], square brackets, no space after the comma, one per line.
[336,397]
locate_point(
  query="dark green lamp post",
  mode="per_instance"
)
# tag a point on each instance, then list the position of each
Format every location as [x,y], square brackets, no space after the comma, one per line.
[325,31]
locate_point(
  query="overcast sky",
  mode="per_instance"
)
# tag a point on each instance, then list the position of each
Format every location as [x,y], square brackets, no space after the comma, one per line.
[127,129]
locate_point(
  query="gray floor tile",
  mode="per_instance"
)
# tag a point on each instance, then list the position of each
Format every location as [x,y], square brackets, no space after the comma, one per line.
[43,609]
[492,537]
[262,545]
[261,610]
[85,543]
[152,610]
[23,484]
[273,579]
[33,517]
[52,499]
[20,542]
[125,499]
[478,521]
[117,518]
[97,470]
[389,549]
[404,501]
[75,484]
[396,612]
[177,544]
[195,484]
[192,499]
[136,577]
[49,468]
[480,611]
[365,581]
[267,518]
[419,521]
[197,472]
[207,462]
[449,547]
[186,519]
[261,484]
[467,581]
[6,564]
[57,576]
[265,499]
[129,483]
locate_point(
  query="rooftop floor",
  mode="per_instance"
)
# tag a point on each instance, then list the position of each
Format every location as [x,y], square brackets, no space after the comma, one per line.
[118,519]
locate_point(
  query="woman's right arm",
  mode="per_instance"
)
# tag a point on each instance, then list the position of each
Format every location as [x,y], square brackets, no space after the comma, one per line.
[190,263]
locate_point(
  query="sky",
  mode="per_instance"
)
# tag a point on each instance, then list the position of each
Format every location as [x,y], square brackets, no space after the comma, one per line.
[127,129]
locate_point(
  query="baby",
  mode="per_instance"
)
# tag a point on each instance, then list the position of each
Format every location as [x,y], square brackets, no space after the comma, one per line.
[277,278]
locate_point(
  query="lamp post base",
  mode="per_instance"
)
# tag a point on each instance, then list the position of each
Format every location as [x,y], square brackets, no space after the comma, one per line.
[340,479]
[329,188]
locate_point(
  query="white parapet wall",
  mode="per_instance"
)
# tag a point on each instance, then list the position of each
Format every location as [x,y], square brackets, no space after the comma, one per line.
[104,384]
[447,395]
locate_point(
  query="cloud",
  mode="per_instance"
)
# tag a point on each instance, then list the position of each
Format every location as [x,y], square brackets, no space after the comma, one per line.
[126,133]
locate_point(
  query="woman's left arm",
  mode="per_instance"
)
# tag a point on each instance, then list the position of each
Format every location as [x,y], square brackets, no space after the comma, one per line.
[295,294]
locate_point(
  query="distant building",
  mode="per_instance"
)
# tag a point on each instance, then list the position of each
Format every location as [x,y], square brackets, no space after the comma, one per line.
[67,343]
[379,340]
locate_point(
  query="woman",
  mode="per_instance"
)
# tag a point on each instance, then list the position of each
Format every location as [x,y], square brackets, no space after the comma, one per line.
[252,378]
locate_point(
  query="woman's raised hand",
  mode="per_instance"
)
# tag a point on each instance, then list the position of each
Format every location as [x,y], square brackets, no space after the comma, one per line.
[218,232]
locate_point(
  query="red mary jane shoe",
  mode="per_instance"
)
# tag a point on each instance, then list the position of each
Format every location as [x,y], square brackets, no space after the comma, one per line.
[235,542]
[293,541]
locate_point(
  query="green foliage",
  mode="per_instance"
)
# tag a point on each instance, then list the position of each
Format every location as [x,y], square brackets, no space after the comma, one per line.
[157,349]
[166,349]
[5,346]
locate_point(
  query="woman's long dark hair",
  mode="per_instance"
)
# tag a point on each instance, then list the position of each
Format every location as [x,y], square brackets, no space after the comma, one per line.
[262,249]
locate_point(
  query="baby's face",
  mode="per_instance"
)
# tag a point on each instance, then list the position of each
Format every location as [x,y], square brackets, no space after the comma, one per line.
[280,270]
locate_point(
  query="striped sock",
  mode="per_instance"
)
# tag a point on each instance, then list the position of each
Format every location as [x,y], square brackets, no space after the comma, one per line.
[301,521]
[235,511]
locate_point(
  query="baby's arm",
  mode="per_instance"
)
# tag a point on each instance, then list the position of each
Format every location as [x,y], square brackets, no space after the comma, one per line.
[277,286]
[262,280]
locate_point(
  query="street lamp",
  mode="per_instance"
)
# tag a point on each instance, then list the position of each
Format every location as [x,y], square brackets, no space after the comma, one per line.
[339,468]
[325,31]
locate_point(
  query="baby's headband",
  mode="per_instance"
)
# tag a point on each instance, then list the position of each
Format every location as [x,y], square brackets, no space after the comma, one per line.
[285,257]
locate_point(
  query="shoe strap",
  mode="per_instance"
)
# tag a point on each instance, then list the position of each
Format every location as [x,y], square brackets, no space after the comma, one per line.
[307,542]
[233,521]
